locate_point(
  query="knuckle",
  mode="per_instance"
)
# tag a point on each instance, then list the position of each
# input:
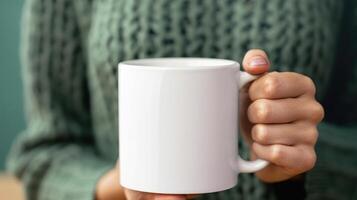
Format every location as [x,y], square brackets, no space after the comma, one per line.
[310,160]
[271,85]
[312,135]
[277,154]
[317,112]
[310,85]
[260,111]
[260,133]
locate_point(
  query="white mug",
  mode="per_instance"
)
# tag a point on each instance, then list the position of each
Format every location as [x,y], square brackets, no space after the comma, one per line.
[178,125]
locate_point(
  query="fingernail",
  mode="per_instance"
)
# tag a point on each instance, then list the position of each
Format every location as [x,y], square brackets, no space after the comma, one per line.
[258,61]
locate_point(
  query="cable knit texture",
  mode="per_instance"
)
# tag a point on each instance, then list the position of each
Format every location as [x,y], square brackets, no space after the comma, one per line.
[70,54]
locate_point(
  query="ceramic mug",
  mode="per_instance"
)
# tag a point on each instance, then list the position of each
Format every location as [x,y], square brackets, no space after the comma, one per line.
[178,125]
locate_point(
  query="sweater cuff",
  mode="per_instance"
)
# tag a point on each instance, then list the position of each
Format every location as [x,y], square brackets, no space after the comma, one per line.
[334,175]
[336,149]
[77,182]
[327,182]
[87,186]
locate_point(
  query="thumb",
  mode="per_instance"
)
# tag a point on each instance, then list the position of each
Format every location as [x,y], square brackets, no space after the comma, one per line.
[256,61]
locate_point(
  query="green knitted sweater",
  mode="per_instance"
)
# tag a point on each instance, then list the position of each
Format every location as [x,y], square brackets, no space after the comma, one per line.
[70,52]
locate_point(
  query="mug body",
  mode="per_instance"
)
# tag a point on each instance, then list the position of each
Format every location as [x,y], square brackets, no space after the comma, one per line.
[178,125]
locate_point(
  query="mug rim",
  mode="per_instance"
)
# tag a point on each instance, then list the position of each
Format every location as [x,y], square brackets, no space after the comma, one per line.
[183,63]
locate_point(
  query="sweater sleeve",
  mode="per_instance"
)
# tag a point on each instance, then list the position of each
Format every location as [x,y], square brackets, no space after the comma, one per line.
[56,156]
[335,174]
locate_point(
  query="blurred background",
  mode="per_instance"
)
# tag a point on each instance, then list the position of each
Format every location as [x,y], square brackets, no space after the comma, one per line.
[11,104]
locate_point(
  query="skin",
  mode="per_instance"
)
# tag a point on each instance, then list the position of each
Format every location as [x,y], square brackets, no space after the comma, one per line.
[279,119]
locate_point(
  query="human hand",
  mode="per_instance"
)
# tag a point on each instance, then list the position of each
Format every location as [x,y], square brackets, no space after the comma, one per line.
[279,119]
[108,188]
[136,195]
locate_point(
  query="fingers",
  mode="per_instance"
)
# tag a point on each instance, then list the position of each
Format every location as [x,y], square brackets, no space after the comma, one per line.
[284,134]
[133,194]
[265,111]
[296,159]
[256,61]
[192,196]
[276,85]
[283,115]
[169,197]
[174,197]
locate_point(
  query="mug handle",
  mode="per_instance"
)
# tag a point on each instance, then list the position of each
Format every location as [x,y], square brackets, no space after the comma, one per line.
[244,165]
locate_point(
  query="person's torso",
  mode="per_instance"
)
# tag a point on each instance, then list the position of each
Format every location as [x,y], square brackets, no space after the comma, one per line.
[298,35]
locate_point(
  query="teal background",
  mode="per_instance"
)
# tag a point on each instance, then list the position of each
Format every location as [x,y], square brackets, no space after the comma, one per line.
[11,106]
